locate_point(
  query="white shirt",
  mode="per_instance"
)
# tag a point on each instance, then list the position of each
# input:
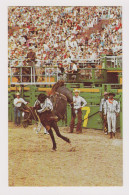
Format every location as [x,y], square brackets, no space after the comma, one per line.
[111,107]
[47,105]
[18,101]
[74,67]
[77,102]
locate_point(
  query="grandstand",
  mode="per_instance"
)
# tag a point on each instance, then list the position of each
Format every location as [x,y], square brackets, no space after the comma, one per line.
[64,33]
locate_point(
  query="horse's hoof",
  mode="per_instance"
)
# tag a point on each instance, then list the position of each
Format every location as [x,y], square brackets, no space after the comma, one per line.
[53,149]
[69,141]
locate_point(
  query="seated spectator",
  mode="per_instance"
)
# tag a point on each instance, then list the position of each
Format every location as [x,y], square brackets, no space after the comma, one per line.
[31,56]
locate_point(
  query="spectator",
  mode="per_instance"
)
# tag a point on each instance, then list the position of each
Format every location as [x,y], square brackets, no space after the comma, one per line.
[58,31]
[31,56]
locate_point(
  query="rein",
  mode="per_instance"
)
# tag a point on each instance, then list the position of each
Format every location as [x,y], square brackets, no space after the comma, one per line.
[29,114]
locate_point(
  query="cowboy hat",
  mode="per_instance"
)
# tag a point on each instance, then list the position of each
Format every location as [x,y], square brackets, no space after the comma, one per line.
[111,93]
[76,91]
[105,93]
[17,93]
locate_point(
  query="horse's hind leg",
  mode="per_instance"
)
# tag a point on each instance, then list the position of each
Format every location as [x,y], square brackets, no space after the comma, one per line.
[52,138]
[54,125]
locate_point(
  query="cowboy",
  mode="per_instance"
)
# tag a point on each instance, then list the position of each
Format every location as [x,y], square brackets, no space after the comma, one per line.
[17,105]
[79,102]
[101,110]
[38,128]
[111,112]
[46,109]
[45,103]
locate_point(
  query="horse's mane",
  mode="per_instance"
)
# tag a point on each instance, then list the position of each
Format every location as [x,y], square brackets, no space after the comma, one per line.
[56,86]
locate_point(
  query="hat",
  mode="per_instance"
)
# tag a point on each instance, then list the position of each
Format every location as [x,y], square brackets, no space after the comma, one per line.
[105,93]
[42,97]
[17,93]
[111,93]
[76,91]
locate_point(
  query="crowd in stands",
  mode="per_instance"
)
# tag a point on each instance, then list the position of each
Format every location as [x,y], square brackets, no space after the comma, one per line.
[59,34]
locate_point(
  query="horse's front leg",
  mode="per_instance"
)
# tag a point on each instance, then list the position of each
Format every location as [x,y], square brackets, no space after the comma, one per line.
[55,127]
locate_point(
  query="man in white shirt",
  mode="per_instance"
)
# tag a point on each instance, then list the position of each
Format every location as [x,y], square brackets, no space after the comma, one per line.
[46,107]
[38,128]
[73,68]
[17,104]
[77,100]
[111,111]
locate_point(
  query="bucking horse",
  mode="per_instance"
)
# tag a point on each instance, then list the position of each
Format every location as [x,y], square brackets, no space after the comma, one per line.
[60,96]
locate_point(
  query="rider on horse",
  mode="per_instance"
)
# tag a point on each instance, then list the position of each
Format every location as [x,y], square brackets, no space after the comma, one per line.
[44,108]
[45,103]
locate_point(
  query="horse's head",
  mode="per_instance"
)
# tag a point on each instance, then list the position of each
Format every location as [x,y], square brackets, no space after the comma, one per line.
[27,115]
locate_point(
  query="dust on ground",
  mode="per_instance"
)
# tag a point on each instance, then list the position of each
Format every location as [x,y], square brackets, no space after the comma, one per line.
[92,159]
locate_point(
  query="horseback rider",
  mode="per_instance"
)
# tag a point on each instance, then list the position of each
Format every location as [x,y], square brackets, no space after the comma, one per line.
[48,104]
[45,103]
[38,128]
[44,106]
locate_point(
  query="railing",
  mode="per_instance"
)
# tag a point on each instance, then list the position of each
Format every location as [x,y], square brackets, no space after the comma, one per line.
[42,72]
[111,62]
[33,75]
[106,62]
[83,63]
[44,75]
[88,75]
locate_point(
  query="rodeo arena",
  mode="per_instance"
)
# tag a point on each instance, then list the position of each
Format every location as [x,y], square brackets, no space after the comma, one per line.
[65,96]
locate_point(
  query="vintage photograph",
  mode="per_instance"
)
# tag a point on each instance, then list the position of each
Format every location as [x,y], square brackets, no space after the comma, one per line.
[65,96]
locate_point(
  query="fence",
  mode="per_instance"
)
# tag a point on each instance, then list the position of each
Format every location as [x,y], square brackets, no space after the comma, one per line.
[33,75]
[90,112]
[111,62]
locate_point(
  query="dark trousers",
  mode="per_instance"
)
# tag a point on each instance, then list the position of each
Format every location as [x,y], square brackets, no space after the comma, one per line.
[105,125]
[16,116]
[79,123]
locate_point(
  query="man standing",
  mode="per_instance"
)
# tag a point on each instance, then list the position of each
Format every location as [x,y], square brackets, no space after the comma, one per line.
[17,104]
[111,111]
[77,100]
[31,56]
[101,110]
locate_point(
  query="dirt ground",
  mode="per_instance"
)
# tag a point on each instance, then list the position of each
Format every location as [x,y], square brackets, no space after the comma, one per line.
[92,159]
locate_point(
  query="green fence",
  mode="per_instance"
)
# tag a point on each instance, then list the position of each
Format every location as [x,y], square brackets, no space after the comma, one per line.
[91,117]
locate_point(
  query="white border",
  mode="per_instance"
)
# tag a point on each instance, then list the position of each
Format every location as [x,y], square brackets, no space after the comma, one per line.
[4,189]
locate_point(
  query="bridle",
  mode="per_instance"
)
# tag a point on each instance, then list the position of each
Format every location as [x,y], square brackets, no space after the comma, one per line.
[30,112]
